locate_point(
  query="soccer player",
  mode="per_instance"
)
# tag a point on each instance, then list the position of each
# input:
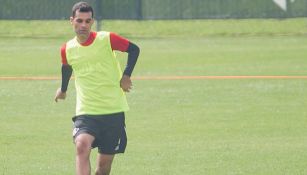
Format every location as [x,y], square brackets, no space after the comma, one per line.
[100,87]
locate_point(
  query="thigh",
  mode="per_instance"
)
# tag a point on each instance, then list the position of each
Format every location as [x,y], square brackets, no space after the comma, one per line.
[113,138]
[104,163]
[85,129]
[104,160]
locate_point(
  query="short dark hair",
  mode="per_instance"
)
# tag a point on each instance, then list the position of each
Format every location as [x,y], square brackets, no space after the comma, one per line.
[82,7]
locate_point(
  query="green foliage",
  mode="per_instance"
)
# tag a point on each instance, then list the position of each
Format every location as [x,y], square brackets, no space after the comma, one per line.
[37,9]
[153,9]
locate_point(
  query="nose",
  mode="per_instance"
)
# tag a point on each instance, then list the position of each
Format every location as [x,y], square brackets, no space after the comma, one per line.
[83,24]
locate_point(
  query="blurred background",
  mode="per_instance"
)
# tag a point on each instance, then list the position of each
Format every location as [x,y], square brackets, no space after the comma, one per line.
[156,9]
[179,122]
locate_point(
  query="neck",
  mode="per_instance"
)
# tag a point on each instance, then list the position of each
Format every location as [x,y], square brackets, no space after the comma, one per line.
[82,38]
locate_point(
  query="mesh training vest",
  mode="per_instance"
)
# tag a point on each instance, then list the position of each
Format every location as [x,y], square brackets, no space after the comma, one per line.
[97,76]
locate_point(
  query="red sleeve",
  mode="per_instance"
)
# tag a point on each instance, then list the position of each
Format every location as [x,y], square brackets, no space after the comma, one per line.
[118,42]
[63,54]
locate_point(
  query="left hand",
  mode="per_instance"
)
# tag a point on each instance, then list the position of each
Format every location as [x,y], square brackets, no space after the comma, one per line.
[125,83]
[59,95]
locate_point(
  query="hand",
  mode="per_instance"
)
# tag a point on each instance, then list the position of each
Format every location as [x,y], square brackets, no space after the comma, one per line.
[59,95]
[125,83]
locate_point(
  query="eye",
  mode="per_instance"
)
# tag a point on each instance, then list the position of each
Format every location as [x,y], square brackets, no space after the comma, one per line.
[79,20]
[88,21]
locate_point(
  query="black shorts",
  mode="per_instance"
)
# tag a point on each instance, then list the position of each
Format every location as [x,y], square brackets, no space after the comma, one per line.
[108,130]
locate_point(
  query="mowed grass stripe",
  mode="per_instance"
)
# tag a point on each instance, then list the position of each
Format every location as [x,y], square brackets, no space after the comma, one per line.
[171,77]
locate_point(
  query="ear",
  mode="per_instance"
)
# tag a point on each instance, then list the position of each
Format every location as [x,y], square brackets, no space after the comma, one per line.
[71,19]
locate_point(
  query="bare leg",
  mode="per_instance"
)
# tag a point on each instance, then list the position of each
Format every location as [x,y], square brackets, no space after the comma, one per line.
[104,163]
[83,149]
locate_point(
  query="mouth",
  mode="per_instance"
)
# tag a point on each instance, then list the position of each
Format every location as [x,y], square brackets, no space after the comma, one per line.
[82,31]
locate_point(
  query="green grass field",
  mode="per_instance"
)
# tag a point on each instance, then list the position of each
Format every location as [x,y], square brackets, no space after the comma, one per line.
[194,127]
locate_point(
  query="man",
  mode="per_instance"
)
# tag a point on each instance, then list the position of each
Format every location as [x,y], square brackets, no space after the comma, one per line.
[100,87]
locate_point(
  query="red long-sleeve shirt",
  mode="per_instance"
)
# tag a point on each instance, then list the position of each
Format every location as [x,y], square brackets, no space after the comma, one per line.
[117,43]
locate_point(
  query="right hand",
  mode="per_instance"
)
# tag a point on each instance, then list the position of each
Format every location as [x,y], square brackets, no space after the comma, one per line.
[59,95]
[125,83]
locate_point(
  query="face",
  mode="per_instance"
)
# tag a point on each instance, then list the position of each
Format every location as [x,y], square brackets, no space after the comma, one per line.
[82,23]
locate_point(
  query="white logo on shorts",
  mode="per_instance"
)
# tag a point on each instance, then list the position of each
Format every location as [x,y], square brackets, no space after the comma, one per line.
[117,147]
[74,132]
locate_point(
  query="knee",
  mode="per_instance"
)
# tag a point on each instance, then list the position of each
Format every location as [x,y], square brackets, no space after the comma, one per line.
[104,165]
[102,171]
[82,147]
